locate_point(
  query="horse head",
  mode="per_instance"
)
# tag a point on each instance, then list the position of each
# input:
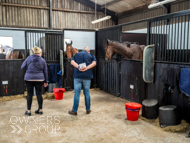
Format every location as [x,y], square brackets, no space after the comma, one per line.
[69,50]
[109,50]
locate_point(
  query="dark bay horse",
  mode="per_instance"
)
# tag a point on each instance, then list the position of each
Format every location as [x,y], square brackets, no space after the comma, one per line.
[129,50]
[11,53]
[70,50]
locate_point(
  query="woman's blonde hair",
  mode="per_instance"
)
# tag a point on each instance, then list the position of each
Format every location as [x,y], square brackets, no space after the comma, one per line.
[37,50]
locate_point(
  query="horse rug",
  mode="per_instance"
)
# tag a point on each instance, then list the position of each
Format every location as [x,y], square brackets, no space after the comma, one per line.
[184,82]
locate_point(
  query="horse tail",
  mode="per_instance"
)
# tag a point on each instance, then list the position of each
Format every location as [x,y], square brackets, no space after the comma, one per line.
[19,55]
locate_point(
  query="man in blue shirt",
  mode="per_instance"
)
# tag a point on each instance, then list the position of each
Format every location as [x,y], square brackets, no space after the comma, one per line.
[83,63]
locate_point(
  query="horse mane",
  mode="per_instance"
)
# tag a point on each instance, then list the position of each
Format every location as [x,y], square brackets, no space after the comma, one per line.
[127,43]
[74,51]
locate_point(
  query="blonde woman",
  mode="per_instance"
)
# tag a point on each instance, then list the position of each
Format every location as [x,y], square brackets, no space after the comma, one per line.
[36,75]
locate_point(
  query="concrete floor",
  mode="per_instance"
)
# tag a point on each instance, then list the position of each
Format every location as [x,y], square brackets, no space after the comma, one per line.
[107,123]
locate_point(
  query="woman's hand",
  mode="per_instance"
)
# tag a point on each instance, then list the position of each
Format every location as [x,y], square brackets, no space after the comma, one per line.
[45,84]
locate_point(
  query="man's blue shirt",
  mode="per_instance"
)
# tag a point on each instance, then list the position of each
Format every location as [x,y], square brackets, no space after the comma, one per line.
[83,57]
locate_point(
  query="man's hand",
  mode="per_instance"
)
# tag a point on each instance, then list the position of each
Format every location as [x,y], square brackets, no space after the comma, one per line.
[82,69]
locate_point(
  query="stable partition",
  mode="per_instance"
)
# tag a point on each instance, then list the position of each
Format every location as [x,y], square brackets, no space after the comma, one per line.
[79,38]
[109,76]
[132,84]
[108,72]
[12,77]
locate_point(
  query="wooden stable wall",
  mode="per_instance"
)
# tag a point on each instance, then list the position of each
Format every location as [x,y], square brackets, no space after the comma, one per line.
[24,13]
[36,14]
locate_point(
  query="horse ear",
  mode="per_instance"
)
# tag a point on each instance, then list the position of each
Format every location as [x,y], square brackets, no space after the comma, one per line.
[108,41]
[65,42]
[71,42]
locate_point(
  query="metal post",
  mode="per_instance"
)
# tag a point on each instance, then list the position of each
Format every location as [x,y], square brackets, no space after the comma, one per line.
[50,14]
[187,60]
[26,43]
[184,38]
[148,32]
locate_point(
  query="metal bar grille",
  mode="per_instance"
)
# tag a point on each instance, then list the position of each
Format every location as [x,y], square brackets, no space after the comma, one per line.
[50,43]
[171,38]
[34,39]
[53,46]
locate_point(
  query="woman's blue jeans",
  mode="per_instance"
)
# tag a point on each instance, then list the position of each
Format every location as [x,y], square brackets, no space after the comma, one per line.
[78,84]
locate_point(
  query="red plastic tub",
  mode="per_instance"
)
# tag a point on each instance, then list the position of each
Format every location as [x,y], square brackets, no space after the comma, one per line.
[58,93]
[132,111]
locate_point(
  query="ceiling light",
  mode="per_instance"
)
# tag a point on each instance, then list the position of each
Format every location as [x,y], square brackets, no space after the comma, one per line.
[101,19]
[160,3]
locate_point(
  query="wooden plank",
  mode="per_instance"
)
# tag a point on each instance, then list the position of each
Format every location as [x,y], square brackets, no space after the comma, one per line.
[74,11]
[55,9]
[12,15]
[26,6]
[41,18]
[46,19]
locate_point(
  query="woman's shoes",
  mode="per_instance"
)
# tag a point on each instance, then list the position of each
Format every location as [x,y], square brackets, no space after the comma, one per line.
[27,113]
[38,112]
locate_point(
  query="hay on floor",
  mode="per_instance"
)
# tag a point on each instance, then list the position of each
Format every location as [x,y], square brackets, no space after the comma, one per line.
[178,128]
[19,96]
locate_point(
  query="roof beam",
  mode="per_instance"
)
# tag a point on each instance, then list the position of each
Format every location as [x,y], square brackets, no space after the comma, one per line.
[91,4]
[132,11]
[110,3]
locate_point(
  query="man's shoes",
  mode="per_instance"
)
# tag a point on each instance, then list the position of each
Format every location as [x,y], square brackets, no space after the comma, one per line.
[72,112]
[27,113]
[88,111]
[38,112]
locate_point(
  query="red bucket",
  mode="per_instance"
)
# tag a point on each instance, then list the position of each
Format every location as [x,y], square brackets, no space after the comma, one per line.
[132,111]
[58,93]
